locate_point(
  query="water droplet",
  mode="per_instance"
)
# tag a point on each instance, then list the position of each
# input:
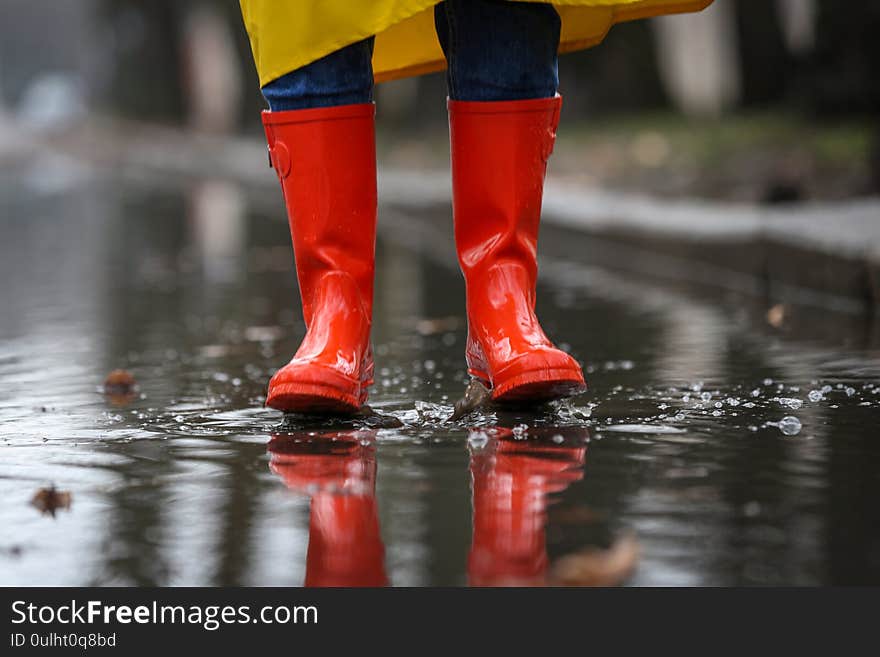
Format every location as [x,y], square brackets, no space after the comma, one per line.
[645,429]
[789,425]
[521,431]
[791,402]
[815,396]
[478,439]
[706,396]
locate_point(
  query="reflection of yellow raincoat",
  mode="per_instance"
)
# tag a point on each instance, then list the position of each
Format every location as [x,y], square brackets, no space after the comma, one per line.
[286,35]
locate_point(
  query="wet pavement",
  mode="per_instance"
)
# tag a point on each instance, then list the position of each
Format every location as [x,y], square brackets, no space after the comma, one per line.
[711,449]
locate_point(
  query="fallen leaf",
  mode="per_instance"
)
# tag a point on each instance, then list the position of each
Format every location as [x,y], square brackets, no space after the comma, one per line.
[475,396]
[597,567]
[48,500]
[776,315]
[120,387]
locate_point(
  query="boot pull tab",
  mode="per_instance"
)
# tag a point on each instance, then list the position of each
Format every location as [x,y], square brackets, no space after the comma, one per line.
[551,131]
[279,159]
[549,142]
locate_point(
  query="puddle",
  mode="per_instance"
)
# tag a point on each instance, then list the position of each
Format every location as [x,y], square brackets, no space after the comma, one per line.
[710,449]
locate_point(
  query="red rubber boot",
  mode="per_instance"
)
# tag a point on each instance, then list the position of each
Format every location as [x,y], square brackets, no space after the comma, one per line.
[511,482]
[326,161]
[338,472]
[499,158]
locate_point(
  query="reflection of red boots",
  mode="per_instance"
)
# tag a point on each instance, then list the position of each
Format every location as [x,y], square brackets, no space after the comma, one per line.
[345,546]
[499,158]
[326,161]
[511,482]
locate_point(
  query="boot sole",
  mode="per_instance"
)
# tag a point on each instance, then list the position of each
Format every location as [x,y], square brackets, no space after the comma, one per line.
[538,386]
[312,398]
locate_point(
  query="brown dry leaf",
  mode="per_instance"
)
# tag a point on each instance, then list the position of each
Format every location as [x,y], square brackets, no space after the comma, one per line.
[776,315]
[48,500]
[120,387]
[475,396]
[596,567]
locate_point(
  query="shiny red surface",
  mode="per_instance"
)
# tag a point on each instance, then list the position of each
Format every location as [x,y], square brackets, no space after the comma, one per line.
[338,472]
[499,159]
[512,481]
[326,161]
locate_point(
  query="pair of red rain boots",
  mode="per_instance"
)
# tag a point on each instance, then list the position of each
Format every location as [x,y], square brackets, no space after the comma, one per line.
[326,161]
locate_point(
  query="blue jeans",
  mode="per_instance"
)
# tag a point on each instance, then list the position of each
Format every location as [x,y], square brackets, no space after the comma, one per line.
[495,50]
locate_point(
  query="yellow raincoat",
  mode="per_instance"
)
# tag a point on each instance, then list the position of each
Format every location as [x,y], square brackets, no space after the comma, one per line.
[288,34]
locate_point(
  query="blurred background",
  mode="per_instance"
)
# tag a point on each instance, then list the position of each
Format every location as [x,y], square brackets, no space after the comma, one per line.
[750,100]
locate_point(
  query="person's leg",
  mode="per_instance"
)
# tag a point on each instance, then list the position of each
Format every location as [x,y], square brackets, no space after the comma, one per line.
[344,77]
[321,137]
[499,50]
[503,112]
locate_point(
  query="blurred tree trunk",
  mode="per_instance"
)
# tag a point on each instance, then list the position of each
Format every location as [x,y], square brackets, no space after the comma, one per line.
[211,70]
[620,74]
[767,65]
[699,59]
[798,24]
[843,71]
[177,60]
[143,43]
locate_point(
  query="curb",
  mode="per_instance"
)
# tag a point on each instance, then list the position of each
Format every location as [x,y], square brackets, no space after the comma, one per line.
[819,254]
